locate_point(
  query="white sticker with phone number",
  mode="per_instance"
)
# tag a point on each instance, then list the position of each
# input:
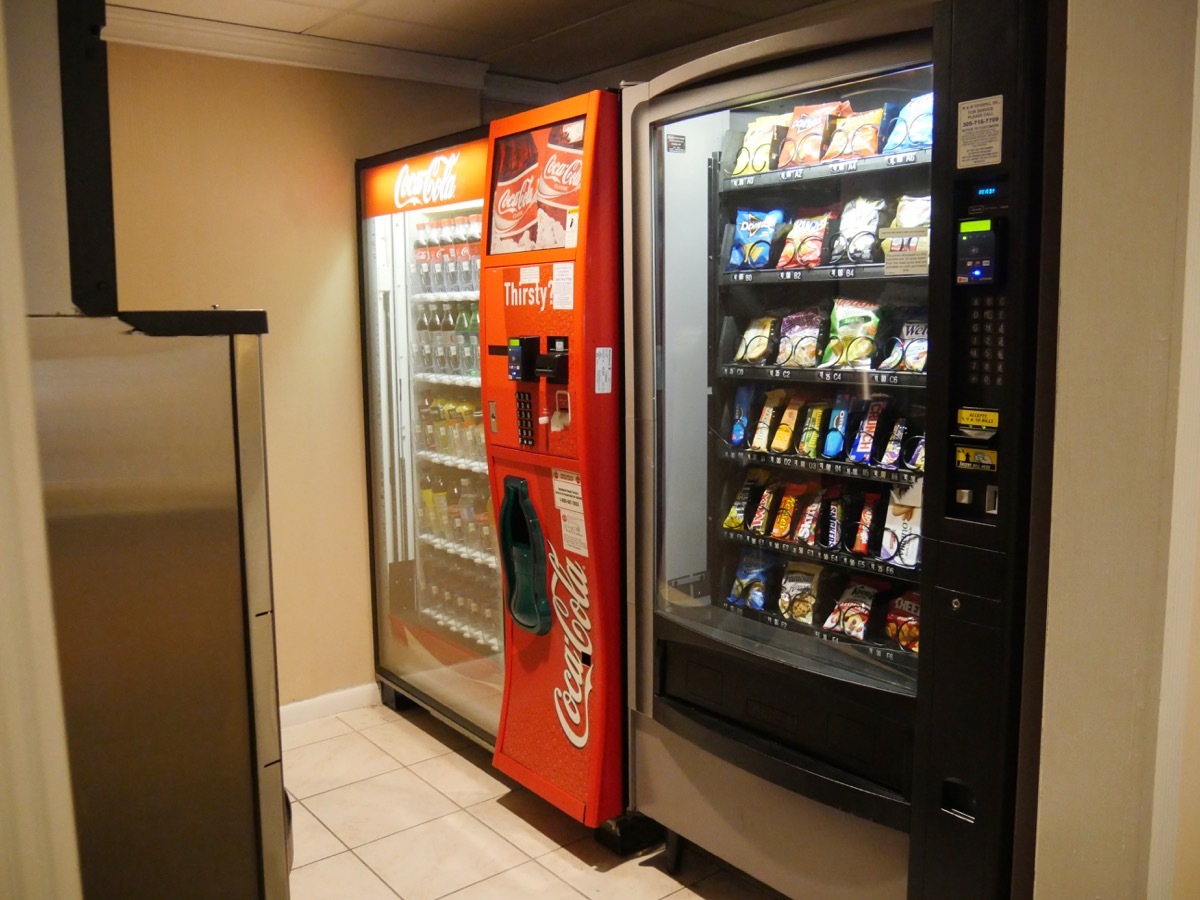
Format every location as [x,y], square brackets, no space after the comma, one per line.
[568,498]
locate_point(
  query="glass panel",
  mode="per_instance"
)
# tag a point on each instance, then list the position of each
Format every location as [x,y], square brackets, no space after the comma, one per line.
[437,577]
[791,314]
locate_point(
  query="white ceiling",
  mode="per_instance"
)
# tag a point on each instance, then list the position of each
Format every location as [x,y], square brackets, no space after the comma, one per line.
[554,41]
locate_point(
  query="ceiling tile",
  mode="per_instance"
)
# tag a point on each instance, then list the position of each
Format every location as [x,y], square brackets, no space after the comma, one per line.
[523,21]
[408,36]
[757,12]
[628,33]
[273,14]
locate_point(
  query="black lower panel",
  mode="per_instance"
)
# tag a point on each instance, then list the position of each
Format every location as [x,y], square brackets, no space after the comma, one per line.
[862,732]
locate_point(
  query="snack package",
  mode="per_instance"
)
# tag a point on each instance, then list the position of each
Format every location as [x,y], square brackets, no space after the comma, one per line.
[799,338]
[785,432]
[852,333]
[753,237]
[864,437]
[852,613]
[761,523]
[866,521]
[911,213]
[746,500]
[901,544]
[903,619]
[798,592]
[743,406]
[910,348]
[914,126]
[809,132]
[835,437]
[756,341]
[771,409]
[895,445]
[857,134]
[835,517]
[804,247]
[763,137]
[857,239]
[916,459]
[810,435]
[806,528]
[781,530]
[755,579]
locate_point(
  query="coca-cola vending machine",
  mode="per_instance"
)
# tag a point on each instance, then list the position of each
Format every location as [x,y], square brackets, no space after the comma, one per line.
[436,574]
[551,389]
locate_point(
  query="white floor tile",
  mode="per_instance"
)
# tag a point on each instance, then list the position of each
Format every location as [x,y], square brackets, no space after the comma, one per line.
[434,859]
[594,871]
[368,810]
[325,765]
[465,777]
[413,741]
[367,716]
[311,732]
[527,882]
[724,885]
[531,823]
[340,877]
[310,839]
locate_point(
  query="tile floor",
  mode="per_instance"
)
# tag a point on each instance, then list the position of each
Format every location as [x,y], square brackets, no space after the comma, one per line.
[390,806]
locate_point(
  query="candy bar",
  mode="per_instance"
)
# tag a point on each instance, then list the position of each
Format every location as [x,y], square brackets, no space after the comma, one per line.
[772,407]
[747,499]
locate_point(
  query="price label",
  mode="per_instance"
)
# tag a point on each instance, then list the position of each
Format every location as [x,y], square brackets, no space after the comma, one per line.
[838,168]
[902,159]
[791,174]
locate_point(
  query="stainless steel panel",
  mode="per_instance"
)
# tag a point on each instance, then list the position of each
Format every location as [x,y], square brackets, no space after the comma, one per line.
[252,471]
[271,808]
[763,828]
[140,484]
[266,693]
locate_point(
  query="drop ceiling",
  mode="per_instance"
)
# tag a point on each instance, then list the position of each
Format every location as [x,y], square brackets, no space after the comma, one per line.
[549,41]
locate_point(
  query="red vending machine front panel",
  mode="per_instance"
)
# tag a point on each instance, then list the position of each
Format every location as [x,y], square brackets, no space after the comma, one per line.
[549,328]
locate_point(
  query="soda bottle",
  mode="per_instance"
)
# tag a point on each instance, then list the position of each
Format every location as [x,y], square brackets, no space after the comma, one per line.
[441,511]
[441,427]
[424,338]
[436,238]
[463,350]
[453,419]
[427,497]
[473,340]
[558,182]
[454,512]
[435,339]
[475,227]
[514,203]
[424,257]
[445,341]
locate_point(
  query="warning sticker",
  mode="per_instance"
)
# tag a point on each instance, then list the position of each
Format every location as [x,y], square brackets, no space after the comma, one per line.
[564,286]
[604,370]
[975,458]
[568,498]
[980,131]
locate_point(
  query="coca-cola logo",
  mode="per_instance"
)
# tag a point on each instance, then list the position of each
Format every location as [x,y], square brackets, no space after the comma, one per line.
[436,183]
[564,175]
[513,199]
[569,594]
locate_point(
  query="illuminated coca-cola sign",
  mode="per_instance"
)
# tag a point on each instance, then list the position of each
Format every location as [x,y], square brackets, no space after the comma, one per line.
[453,175]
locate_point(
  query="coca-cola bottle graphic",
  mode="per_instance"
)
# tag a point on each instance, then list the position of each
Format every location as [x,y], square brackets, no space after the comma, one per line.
[558,183]
[514,203]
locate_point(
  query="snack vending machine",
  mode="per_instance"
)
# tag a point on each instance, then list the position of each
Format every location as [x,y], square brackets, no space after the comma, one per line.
[840,359]
[551,404]
[436,576]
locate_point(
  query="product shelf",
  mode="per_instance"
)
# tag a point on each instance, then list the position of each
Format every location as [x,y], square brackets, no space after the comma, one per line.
[469,381]
[460,550]
[822,376]
[822,171]
[792,462]
[831,557]
[454,462]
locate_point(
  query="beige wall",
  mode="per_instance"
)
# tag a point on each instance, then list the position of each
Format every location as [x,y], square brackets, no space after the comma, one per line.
[234,185]
[1124,225]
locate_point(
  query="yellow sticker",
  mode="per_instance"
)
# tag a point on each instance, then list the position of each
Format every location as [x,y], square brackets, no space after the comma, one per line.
[976,458]
[969,417]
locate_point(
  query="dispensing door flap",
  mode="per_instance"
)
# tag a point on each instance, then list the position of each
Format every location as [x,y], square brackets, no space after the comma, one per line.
[523,555]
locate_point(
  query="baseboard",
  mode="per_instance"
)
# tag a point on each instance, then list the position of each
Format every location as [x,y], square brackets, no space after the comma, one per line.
[303,711]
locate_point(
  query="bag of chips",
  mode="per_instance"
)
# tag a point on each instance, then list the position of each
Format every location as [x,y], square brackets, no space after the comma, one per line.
[904,620]
[854,326]
[754,235]
[746,500]
[744,401]
[760,144]
[912,214]
[804,247]
[798,593]
[756,341]
[857,240]
[809,132]
[913,129]
[852,613]
[857,134]
[909,350]
[771,410]
[755,580]
[800,337]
